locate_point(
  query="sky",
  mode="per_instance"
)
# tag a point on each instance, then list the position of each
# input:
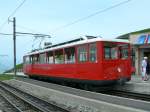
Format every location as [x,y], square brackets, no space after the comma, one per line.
[48,17]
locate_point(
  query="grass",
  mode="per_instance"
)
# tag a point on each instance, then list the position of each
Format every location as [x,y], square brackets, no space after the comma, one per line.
[5,77]
[19,66]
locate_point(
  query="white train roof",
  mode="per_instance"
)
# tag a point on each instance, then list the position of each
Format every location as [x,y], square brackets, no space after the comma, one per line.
[81,41]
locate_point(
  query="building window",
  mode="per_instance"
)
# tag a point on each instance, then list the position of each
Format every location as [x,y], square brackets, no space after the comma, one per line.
[148,39]
[59,57]
[50,58]
[70,55]
[82,53]
[92,52]
[141,39]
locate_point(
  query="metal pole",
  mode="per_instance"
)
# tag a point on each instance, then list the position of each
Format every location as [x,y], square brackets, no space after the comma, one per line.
[14,43]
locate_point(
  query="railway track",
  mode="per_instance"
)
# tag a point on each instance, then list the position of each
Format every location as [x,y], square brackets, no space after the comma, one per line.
[109,96]
[19,101]
[127,94]
[6,105]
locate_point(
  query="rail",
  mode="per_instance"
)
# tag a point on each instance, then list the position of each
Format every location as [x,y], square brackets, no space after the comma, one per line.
[128,94]
[35,102]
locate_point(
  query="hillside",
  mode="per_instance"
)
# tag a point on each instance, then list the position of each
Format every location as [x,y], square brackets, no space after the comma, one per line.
[18,67]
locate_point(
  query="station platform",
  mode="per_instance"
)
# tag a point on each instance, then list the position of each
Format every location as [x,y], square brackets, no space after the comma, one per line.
[18,74]
[136,85]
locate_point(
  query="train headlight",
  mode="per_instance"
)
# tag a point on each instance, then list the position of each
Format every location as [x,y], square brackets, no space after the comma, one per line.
[119,69]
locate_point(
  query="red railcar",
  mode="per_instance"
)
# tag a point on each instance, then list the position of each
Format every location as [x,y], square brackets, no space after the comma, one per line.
[93,61]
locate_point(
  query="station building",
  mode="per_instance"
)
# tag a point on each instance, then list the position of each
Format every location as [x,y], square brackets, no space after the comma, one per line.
[140,41]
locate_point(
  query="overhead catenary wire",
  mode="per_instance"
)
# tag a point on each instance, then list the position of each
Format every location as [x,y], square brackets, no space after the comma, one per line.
[33,34]
[5,34]
[91,15]
[3,55]
[33,30]
[16,9]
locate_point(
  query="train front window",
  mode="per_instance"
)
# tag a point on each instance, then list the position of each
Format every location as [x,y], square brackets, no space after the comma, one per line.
[124,51]
[110,51]
[107,52]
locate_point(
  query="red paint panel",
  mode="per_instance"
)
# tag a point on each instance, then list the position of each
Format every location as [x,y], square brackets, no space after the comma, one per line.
[90,71]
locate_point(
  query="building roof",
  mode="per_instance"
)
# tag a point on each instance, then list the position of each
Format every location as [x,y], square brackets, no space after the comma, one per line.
[126,36]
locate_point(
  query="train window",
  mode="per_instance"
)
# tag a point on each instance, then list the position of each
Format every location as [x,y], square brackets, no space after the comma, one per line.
[124,51]
[59,57]
[110,51]
[50,58]
[42,58]
[82,53]
[36,59]
[114,54]
[31,59]
[70,55]
[92,52]
[27,60]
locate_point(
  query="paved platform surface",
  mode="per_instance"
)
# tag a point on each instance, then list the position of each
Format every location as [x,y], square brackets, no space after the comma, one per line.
[137,85]
[138,79]
[18,74]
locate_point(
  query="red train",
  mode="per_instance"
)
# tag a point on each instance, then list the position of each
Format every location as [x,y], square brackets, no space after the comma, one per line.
[91,61]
